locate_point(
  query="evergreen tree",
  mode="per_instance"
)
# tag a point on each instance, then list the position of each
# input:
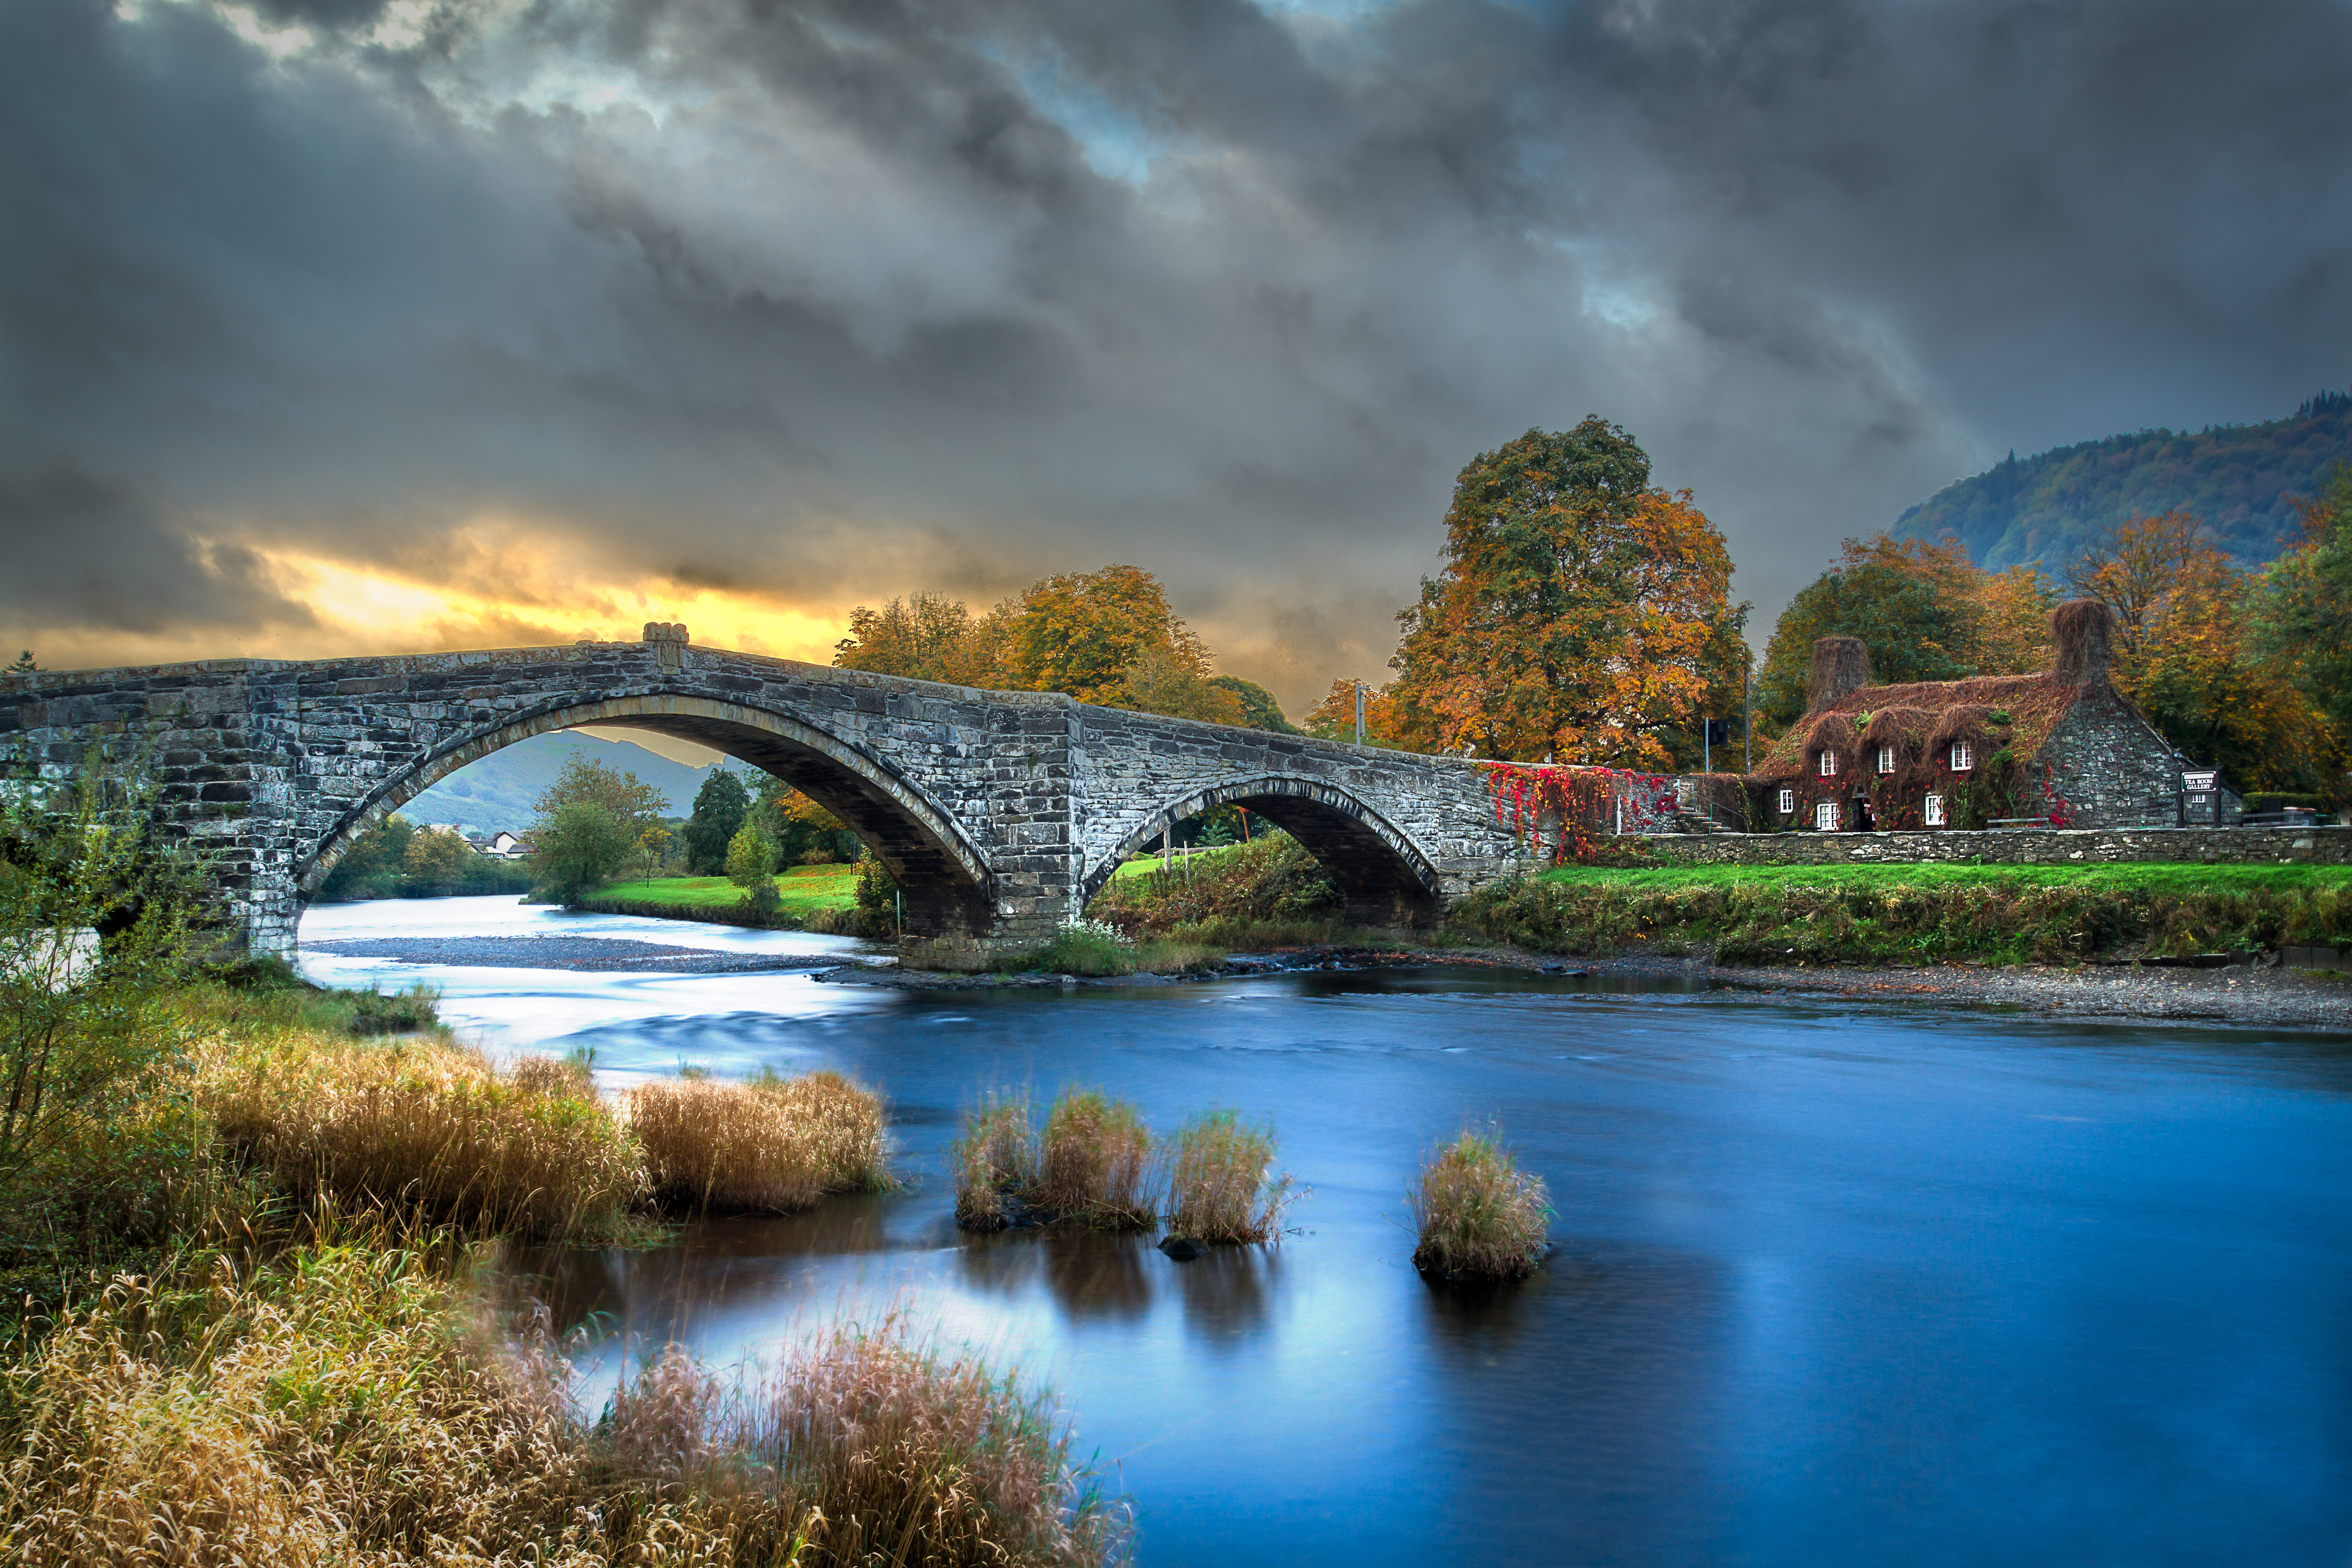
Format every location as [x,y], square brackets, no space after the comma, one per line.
[719,810]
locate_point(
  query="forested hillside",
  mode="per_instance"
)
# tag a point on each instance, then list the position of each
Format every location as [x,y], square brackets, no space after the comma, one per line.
[2240,479]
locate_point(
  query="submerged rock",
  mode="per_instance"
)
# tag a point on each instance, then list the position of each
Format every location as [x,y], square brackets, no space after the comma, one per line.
[1182,1248]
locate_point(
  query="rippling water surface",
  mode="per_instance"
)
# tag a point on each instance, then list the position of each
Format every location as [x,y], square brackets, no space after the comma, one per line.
[1835,1284]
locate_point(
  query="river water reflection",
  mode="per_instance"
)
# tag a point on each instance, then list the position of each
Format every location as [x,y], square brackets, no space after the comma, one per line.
[1835,1283]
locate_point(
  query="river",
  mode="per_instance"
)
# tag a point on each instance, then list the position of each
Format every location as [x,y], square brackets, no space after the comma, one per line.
[1835,1283]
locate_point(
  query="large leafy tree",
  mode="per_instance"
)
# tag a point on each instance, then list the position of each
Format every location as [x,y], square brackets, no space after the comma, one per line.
[591,819]
[1108,636]
[1925,611]
[1083,632]
[1259,709]
[2302,611]
[719,809]
[1578,614]
[928,637]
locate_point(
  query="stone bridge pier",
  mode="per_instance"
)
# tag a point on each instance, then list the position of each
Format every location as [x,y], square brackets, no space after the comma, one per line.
[1001,814]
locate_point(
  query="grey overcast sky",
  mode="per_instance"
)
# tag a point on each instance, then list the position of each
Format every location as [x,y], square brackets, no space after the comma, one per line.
[334,325]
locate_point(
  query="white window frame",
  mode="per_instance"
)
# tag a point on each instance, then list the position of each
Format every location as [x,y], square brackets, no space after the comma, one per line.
[1931,811]
[1964,756]
[1829,763]
[1787,801]
[1885,759]
[1826,816]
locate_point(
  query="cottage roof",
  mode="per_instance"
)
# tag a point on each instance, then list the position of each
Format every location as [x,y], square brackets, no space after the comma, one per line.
[2020,711]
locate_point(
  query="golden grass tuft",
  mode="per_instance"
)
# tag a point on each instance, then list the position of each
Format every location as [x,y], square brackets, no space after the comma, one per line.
[422,1125]
[1222,1186]
[1095,1163]
[995,1161]
[1478,1213]
[350,1407]
[771,1146]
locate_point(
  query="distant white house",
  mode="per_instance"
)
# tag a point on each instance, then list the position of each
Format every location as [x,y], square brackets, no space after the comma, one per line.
[501,846]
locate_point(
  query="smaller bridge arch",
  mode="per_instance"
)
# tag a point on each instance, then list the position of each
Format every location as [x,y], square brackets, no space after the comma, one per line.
[1382,875]
[944,874]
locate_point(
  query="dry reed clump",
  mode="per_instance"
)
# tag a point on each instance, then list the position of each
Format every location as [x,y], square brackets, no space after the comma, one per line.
[897,1455]
[1221,1184]
[336,1409]
[422,1125]
[1095,1163]
[1478,1213]
[772,1146]
[995,1162]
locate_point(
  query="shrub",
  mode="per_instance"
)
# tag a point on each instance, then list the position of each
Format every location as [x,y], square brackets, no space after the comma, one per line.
[1478,1213]
[423,1125]
[774,1145]
[1221,1184]
[1271,880]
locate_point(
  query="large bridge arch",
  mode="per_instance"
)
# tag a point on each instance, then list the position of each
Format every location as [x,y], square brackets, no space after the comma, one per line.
[1382,875]
[945,875]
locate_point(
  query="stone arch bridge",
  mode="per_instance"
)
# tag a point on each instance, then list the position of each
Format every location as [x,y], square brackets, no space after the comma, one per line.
[1000,813]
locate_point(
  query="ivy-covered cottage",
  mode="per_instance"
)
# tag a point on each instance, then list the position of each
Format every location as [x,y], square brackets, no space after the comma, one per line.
[2063,747]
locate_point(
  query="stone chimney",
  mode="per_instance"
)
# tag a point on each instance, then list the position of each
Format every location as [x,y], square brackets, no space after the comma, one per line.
[1840,665]
[2082,632]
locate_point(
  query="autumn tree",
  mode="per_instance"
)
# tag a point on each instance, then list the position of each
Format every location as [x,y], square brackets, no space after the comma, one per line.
[2301,615]
[1166,680]
[436,858]
[1334,718]
[1578,613]
[2139,567]
[926,638]
[1108,636]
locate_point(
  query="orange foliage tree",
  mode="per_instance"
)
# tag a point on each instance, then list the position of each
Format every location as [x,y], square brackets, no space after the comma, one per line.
[1108,636]
[1579,611]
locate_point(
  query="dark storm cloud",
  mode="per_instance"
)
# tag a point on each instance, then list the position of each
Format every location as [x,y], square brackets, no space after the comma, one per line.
[831,300]
[85,552]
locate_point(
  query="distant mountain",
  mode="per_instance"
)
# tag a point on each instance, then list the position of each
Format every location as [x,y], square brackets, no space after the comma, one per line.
[498,791]
[2040,511]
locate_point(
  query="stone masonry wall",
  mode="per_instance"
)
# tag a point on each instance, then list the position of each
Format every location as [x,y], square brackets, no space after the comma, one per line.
[2112,766]
[2007,846]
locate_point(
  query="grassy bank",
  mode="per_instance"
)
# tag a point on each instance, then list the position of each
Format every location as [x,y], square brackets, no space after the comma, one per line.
[808,898]
[1916,914]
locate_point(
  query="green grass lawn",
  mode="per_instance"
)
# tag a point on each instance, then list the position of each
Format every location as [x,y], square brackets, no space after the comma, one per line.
[802,888]
[2172,878]
[1147,862]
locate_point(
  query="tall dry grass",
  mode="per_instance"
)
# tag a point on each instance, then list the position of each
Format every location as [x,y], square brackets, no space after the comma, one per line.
[422,1125]
[348,1406]
[890,1452]
[996,1162]
[1478,1213]
[1095,1163]
[774,1145]
[1221,1184]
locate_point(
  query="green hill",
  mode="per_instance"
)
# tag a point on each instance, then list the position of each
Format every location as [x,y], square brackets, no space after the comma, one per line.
[2241,479]
[497,792]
